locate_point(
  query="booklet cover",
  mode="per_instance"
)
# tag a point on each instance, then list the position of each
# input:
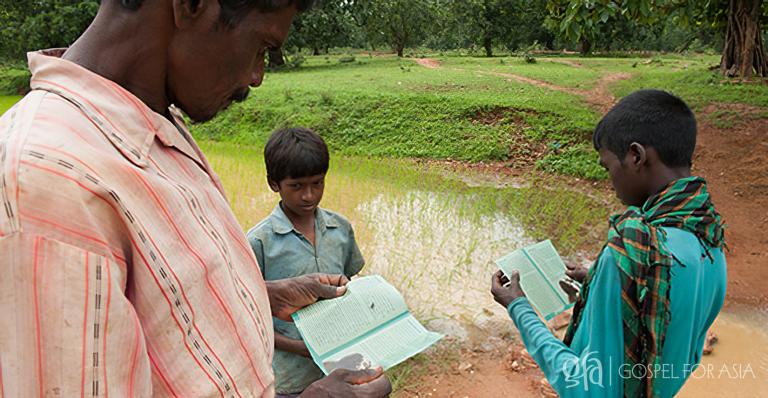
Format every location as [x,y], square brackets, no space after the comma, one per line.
[541,268]
[367,327]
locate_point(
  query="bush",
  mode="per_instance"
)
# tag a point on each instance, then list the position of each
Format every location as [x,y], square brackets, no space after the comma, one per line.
[14,81]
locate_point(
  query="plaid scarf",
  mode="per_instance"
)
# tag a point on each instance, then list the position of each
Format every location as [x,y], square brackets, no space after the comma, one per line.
[644,264]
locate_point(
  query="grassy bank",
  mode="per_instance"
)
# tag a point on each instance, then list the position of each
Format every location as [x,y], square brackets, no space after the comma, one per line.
[466,109]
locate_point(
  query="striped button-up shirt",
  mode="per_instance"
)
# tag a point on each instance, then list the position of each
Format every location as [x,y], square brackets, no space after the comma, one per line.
[123,271]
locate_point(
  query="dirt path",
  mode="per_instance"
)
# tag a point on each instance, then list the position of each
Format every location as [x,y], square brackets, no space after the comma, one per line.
[428,63]
[599,97]
[734,162]
[483,374]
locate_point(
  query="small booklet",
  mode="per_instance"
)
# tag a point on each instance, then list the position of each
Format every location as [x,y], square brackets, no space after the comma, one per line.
[541,268]
[369,326]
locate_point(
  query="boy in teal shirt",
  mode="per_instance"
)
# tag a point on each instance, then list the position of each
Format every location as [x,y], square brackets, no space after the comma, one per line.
[642,315]
[300,238]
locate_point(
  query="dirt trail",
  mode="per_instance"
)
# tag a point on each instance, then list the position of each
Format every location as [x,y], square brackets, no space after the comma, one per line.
[734,163]
[428,63]
[599,97]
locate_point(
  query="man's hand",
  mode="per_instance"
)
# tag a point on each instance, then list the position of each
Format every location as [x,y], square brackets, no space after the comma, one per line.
[576,272]
[287,296]
[506,290]
[343,383]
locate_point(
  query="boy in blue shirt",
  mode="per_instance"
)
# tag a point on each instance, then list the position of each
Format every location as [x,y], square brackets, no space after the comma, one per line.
[300,238]
[643,312]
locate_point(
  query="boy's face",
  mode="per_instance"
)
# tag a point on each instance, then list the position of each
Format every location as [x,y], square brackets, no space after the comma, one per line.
[300,196]
[627,176]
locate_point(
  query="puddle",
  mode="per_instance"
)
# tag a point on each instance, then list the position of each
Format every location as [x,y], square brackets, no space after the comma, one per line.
[738,366]
[436,239]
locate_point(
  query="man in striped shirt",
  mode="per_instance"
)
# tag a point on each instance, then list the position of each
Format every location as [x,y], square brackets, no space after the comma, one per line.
[123,270]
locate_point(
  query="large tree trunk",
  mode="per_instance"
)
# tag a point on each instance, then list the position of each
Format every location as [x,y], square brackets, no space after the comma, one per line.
[586,46]
[276,58]
[744,50]
[399,48]
[488,45]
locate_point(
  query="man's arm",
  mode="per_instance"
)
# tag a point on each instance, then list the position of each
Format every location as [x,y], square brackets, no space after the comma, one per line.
[590,367]
[67,326]
[295,346]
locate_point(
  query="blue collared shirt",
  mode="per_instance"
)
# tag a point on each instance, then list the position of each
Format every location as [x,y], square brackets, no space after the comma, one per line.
[284,252]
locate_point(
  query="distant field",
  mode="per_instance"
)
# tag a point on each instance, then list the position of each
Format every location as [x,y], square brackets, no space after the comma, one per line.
[7,101]
[464,108]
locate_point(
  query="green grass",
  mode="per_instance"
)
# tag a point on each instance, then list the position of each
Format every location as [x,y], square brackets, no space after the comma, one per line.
[7,101]
[387,107]
[466,110]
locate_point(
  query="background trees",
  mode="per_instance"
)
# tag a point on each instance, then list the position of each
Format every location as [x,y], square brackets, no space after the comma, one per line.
[740,22]
[736,28]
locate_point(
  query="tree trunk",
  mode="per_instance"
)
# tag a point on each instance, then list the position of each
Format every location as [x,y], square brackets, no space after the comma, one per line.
[744,50]
[586,46]
[399,48]
[315,51]
[488,45]
[276,58]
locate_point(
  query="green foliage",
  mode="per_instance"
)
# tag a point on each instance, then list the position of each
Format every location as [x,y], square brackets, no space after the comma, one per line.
[398,23]
[14,81]
[330,24]
[33,25]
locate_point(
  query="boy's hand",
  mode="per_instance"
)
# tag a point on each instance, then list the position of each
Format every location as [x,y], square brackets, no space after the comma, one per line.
[576,272]
[287,296]
[570,288]
[345,383]
[506,290]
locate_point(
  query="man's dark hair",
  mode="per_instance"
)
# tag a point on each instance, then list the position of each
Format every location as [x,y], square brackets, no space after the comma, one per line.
[295,153]
[232,11]
[652,118]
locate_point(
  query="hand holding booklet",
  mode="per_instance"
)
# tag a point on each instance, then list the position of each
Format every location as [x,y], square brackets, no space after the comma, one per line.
[367,327]
[541,268]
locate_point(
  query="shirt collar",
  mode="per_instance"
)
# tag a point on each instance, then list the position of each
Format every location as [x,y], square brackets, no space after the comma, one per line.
[128,123]
[282,225]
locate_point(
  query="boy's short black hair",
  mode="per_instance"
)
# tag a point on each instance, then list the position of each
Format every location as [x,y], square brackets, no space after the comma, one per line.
[295,153]
[651,118]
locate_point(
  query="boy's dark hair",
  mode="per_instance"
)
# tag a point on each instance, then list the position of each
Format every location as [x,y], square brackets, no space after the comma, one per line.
[232,11]
[295,153]
[652,118]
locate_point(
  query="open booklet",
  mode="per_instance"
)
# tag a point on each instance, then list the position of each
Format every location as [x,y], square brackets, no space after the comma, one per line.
[541,268]
[367,327]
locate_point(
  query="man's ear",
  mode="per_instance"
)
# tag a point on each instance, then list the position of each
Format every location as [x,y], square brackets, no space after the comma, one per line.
[185,12]
[637,156]
[274,186]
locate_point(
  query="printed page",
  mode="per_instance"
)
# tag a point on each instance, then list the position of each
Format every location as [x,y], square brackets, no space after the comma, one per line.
[328,324]
[386,347]
[548,260]
[539,279]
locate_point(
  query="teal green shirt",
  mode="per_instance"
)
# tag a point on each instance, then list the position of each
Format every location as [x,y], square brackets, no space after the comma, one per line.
[283,252]
[593,365]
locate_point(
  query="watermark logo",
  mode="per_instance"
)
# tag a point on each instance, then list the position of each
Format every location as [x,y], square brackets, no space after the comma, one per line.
[586,370]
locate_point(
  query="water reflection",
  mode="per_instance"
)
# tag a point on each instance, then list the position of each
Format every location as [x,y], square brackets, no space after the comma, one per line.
[437,253]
